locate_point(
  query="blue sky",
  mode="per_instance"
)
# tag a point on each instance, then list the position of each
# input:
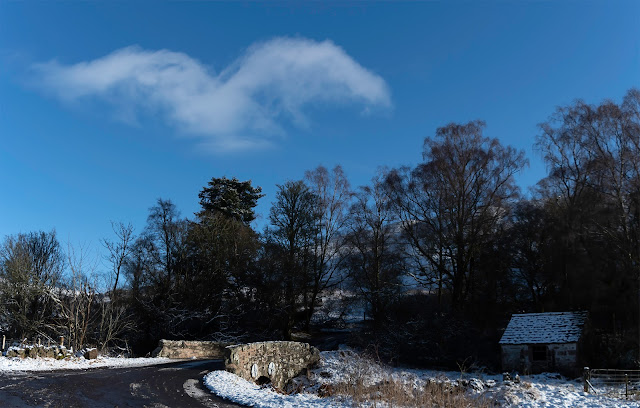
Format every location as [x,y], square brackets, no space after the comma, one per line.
[104,107]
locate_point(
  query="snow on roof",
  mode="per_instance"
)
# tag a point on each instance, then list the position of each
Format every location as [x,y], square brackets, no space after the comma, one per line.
[544,328]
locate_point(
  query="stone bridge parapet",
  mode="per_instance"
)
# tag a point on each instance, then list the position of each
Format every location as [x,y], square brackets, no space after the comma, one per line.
[275,362]
[190,349]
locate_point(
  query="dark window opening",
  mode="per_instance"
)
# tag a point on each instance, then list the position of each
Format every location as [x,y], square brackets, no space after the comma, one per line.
[539,353]
[262,380]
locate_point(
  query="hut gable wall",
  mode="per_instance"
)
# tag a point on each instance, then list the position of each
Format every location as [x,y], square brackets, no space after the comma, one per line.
[513,356]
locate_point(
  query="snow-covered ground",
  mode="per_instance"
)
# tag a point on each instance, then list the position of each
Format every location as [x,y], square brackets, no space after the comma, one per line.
[13,364]
[342,367]
[341,307]
[236,389]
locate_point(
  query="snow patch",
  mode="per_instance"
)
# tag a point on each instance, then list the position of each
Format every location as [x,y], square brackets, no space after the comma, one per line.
[13,364]
[233,388]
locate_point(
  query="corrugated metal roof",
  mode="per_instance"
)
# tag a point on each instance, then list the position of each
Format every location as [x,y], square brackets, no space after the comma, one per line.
[544,328]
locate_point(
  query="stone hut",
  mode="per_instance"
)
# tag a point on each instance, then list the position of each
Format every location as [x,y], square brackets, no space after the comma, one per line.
[538,342]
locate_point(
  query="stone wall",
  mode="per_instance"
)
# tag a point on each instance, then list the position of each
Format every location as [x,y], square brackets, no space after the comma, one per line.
[57,352]
[559,358]
[515,357]
[275,362]
[190,349]
[564,357]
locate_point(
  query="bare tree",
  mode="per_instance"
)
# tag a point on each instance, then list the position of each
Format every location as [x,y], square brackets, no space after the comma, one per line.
[375,258]
[294,220]
[115,317]
[593,187]
[31,267]
[167,231]
[451,202]
[529,250]
[76,298]
[119,250]
[159,275]
[333,196]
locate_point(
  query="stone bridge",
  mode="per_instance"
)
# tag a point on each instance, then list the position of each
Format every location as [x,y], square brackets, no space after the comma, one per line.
[274,362]
[190,349]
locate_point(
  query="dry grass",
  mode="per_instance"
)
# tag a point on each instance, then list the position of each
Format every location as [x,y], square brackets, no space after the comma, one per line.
[392,393]
[369,384]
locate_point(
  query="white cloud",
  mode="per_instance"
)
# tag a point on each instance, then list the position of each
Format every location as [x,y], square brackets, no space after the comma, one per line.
[241,107]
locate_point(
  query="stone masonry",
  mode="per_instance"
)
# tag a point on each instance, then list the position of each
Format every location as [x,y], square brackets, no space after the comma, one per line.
[275,362]
[190,349]
[57,352]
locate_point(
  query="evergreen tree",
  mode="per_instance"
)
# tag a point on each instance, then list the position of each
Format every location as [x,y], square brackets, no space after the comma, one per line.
[230,197]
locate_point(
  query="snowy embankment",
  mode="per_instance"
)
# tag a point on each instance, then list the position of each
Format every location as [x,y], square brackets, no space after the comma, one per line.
[233,388]
[343,370]
[551,390]
[14,364]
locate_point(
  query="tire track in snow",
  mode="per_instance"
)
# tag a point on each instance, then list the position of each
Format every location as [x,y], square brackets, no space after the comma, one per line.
[192,388]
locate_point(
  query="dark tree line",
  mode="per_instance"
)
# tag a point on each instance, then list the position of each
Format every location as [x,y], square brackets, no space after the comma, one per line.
[438,255]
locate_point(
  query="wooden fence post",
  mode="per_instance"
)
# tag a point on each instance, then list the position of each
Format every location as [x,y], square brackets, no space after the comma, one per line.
[626,386]
[585,379]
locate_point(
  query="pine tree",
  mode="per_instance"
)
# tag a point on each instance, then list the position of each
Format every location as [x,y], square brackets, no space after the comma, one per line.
[230,197]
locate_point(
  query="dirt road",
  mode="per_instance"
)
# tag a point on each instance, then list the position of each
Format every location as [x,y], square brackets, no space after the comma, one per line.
[173,385]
